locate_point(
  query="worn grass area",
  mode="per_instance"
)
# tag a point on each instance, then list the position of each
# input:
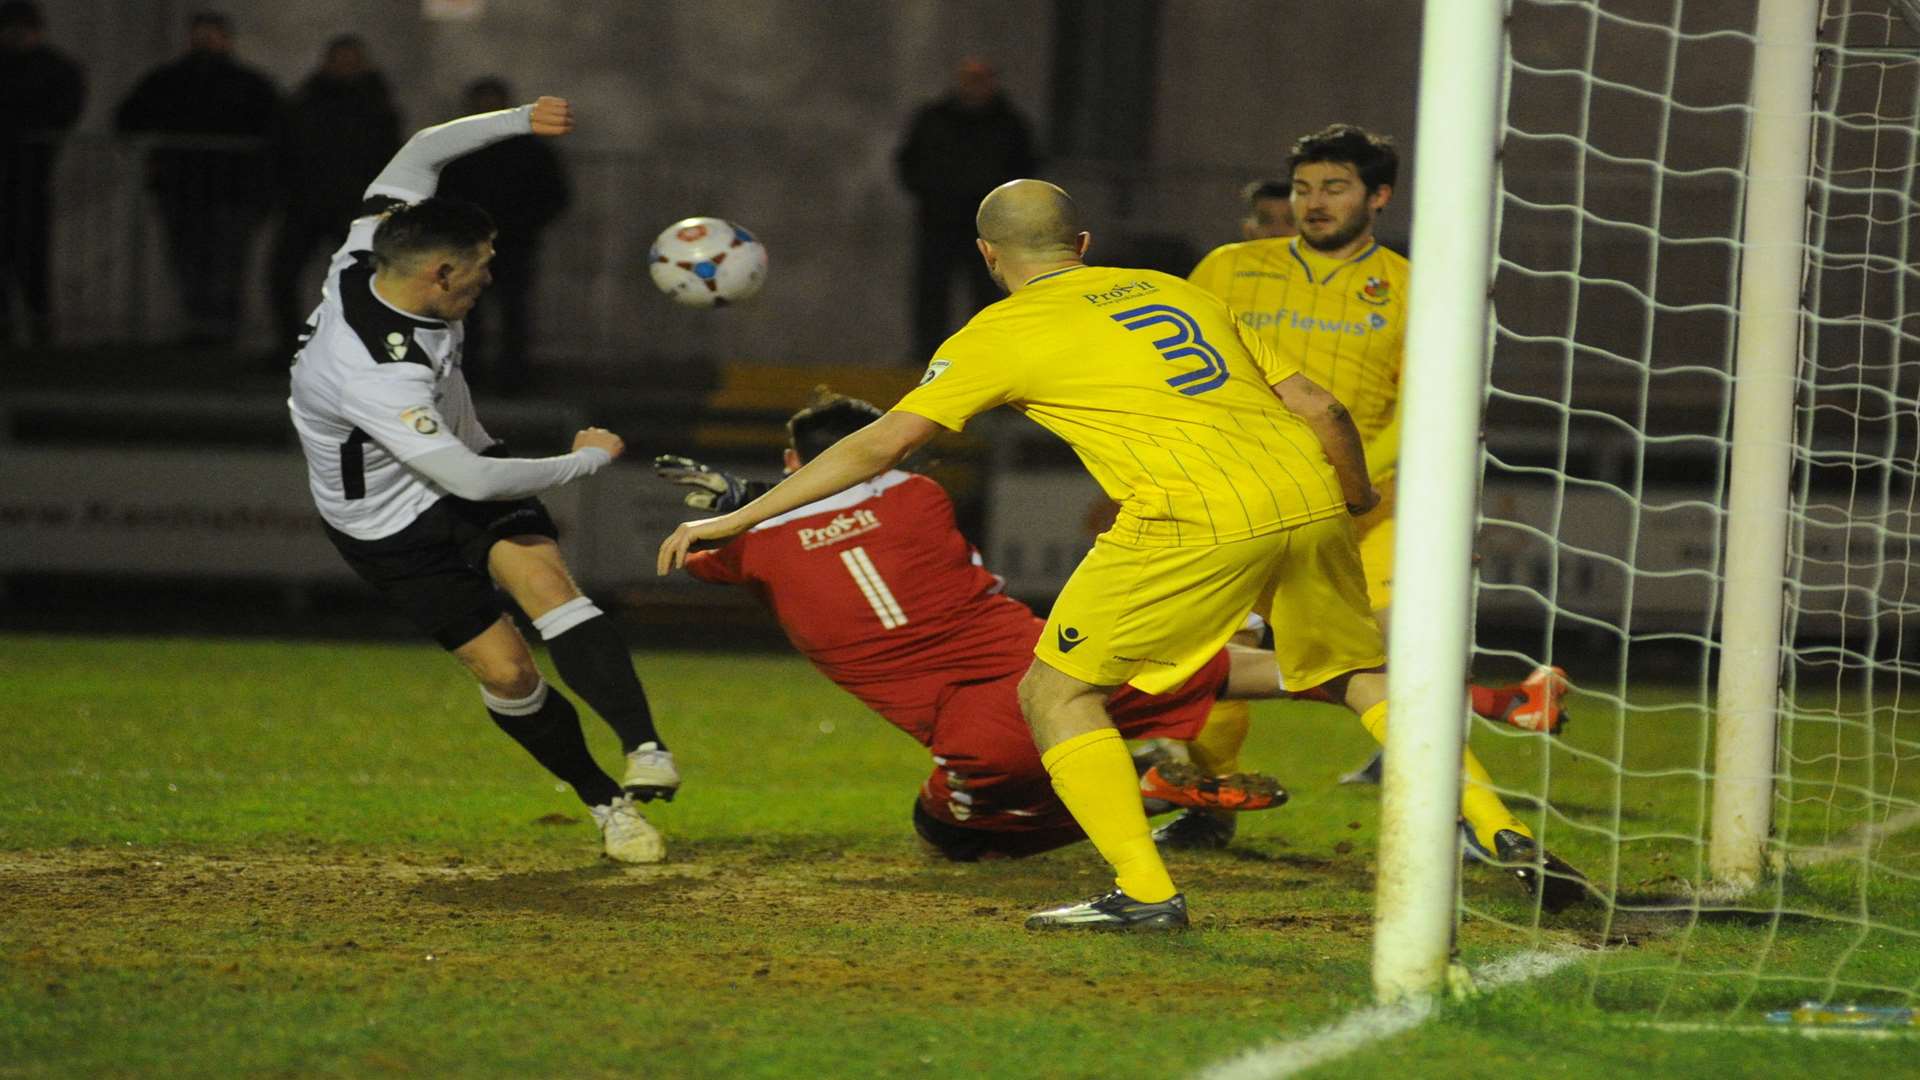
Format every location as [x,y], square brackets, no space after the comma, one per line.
[308,859]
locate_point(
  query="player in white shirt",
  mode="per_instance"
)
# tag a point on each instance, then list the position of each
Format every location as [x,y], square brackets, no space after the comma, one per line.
[395,462]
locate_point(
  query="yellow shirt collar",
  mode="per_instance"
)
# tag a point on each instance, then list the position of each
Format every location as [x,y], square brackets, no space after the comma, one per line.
[1322,267]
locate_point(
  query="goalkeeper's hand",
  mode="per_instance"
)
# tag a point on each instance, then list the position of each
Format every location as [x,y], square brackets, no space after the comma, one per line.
[710,489]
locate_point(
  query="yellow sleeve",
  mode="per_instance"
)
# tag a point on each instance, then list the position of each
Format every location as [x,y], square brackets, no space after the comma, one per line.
[1274,368]
[1383,450]
[974,371]
[1211,273]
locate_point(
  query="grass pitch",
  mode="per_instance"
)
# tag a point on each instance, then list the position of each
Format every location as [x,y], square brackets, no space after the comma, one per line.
[222,858]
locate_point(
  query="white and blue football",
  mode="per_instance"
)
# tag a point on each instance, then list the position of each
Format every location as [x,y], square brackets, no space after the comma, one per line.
[707,262]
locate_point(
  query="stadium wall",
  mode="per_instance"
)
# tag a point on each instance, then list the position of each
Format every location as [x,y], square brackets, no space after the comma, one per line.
[784,116]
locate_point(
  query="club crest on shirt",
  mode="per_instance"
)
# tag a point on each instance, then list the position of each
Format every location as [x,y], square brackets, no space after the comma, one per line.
[421,419]
[1376,291]
[397,345]
[933,371]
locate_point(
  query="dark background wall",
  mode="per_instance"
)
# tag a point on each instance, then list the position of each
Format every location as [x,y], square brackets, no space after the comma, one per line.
[785,116]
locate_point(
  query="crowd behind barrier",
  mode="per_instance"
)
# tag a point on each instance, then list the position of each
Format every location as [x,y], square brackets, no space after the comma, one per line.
[113,284]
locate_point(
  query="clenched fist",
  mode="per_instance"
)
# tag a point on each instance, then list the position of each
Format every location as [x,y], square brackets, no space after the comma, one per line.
[552,116]
[601,439]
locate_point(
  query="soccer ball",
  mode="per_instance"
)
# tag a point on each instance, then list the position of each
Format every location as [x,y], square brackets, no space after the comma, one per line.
[707,262]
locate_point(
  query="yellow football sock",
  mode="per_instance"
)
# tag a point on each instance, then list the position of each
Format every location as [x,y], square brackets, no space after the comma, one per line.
[1216,749]
[1093,775]
[1479,803]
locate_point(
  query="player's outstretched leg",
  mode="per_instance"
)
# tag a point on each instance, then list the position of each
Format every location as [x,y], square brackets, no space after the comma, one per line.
[1092,773]
[1534,703]
[1491,825]
[594,662]
[546,726]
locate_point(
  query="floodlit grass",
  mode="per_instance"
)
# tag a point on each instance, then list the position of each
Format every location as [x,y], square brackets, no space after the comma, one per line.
[225,858]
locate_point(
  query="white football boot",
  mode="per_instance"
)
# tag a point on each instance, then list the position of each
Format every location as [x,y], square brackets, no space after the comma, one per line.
[650,773]
[629,836]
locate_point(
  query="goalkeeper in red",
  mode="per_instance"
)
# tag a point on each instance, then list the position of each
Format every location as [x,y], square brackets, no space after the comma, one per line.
[1236,476]
[878,588]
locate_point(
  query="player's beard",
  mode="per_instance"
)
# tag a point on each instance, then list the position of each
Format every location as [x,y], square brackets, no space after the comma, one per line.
[1345,233]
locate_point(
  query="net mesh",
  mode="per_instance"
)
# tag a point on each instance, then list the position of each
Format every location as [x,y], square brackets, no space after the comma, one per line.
[1603,530]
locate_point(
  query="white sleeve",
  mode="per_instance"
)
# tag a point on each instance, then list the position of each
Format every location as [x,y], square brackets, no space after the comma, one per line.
[466,474]
[414,172]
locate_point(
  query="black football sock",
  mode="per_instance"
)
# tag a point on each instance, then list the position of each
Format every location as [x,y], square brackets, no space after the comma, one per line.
[595,664]
[546,724]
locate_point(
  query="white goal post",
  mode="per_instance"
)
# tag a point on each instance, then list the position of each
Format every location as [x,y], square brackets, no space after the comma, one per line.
[1440,401]
[1450,336]
[1766,362]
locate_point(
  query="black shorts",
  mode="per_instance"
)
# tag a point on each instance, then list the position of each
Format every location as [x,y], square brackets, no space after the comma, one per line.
[435,570]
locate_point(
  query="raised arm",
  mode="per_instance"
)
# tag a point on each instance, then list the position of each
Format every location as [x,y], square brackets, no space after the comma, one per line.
[1340,440]
[862,455]
[483,479]
[414,172]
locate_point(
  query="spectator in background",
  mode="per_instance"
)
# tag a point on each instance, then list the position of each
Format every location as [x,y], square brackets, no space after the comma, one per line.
[1269,210]
[340,129]
[41,93]
[210,171]
[521,182]
[957,149]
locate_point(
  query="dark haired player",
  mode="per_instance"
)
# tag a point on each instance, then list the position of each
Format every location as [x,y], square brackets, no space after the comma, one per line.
[1269,210]
[879,589]
[1335,298]
[399,466]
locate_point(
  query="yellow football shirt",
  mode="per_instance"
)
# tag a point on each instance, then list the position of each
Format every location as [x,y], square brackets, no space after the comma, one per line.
[1343,321]
[1167,402]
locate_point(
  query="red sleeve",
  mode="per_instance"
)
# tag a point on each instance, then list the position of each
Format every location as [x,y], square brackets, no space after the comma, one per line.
[720,566]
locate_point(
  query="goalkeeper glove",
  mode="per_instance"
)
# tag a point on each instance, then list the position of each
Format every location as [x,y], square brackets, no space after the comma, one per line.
[712,490]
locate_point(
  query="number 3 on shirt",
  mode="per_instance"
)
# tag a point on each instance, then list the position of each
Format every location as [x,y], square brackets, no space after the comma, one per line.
[1183,342]
[874,588]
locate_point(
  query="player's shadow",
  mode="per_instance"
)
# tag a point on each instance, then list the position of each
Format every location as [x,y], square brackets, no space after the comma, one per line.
[1642,916]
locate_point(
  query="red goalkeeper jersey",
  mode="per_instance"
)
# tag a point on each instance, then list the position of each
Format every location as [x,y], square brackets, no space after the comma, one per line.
[879,589]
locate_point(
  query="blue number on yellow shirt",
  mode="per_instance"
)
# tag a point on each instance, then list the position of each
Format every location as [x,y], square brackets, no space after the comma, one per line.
[1182,343]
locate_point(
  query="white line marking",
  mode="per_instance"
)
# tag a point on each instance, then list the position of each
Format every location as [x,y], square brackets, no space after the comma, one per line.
[1371,1025]
[1849,845]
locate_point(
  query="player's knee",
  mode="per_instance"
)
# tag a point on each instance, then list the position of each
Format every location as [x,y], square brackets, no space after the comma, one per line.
[548,589]
[507,676]
[1036,696]
[950,842]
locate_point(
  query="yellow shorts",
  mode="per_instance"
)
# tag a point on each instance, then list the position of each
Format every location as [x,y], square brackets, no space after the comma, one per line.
[1151,616]
[1375,531]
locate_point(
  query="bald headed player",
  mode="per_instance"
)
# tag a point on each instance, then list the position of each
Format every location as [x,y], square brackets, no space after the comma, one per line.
[1235,475]
[1332,296]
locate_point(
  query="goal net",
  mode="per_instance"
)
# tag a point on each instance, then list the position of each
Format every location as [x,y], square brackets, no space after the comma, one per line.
[1627,304]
